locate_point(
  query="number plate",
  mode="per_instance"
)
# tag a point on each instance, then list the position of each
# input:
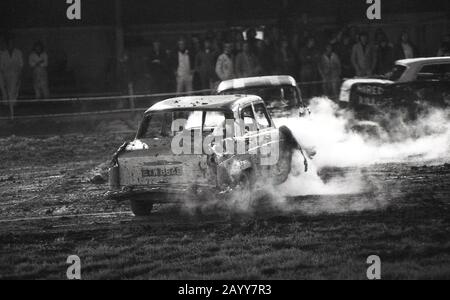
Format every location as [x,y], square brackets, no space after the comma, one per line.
[162,172]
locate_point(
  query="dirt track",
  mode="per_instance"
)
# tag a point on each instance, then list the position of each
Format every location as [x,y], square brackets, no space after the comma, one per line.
[49,210]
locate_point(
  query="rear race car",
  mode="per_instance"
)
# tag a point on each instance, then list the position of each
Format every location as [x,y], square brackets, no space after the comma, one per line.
[413,86]
[281,94]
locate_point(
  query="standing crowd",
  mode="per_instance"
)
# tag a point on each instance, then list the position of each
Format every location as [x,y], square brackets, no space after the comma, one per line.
[319,61]
[318,58]
[11,71]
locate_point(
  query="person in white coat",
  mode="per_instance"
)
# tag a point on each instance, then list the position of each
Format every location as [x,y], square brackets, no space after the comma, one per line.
[11,65]
[364,57]
[38,61]
[330,70]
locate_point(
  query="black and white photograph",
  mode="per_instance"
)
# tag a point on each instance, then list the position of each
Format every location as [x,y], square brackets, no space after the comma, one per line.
[223,147]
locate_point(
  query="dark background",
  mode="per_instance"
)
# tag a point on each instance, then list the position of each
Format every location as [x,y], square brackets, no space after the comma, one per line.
[83,54]
[33,13]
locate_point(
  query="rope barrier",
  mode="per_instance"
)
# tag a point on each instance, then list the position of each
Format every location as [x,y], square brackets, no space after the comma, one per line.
[139,96]
[114,98]
[121,97]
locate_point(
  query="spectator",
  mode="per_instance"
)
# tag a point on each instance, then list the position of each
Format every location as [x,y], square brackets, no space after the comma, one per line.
[224,65]
[125,77]
[204,65]
[354,34]
[330,70]
[247,63]
[184,68]
[444,50]
[405,49]
[11,67]
[385,55]
[285,59]
[38,61]
[2,81]
[285,17]
[309,58]
[363,56]
[344,52]
[237,47]
[274,34]
[158,69]
[266,56]
[251,38]
[195,48]
[305,29]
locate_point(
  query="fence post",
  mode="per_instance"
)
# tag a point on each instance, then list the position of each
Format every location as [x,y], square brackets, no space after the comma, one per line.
[131,94]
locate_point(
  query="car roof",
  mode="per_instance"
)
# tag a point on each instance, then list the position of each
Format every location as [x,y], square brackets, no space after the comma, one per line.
[424,60]
[229,102]
[256,82]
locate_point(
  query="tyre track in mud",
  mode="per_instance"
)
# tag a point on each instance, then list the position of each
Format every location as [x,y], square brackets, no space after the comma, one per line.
[396,184]
[54,192]
[411,227]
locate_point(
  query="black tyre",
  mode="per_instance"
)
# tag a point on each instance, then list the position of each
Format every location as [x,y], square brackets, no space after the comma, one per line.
[141,208]
[245,187]
[283,167]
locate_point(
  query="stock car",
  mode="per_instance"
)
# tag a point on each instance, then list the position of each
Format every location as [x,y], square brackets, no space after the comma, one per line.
[411,84]
[153,169]
[280,93]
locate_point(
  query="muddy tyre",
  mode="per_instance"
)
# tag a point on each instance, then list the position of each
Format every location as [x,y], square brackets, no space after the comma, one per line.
[288,144]
[245,187]
[244,190]
[141,208]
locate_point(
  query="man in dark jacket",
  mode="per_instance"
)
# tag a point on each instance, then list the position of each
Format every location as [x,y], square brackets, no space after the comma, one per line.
[158,69]
[405,49]
[205,64]
[309,73]
[385,56]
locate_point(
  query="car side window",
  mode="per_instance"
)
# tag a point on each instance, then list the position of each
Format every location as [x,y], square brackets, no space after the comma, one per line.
[262,118]
[249,119]
[434,71]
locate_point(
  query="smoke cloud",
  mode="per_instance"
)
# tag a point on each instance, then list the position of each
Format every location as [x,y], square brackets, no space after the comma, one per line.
[343,143]
[329,130]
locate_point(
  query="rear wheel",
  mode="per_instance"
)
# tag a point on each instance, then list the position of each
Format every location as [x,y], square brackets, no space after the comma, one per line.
[141,208]
[245,188]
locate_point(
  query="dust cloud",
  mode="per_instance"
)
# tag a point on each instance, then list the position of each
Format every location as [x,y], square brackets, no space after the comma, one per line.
[330,131]
[337,180]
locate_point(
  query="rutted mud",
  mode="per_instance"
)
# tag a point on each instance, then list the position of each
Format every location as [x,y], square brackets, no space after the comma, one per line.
[50,208]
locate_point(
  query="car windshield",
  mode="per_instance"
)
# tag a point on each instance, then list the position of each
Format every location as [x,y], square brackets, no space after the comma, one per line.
[274,97]
[163,124]
[396,73]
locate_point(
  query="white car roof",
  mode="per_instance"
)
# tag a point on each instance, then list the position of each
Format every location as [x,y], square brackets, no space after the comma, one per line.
[263,81]
[424,60]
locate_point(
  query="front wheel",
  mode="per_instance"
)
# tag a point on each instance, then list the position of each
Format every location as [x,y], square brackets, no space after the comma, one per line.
[141,208]
[287,146]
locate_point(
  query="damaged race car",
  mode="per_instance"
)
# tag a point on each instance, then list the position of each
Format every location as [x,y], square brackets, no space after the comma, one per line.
[411,86]
[281,94]
[201,147]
